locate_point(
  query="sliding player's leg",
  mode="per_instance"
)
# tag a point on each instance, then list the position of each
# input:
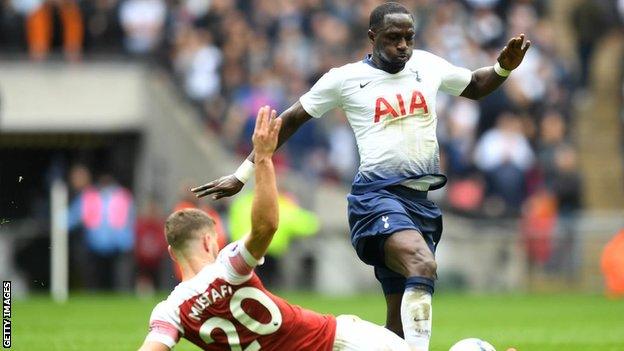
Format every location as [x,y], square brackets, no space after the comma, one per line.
[355,334]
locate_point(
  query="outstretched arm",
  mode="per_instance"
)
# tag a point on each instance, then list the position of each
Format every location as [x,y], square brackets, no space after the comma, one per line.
[292,119]
[264,209]
[485,80]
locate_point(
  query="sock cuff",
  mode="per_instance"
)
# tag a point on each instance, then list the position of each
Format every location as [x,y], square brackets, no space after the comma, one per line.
[421,283]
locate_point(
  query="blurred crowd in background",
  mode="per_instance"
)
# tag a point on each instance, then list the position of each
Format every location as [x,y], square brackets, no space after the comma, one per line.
[230,57]
[509,154]
[116,244]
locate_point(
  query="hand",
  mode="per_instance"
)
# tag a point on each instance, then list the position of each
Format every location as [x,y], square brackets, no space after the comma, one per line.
[512,55]
[222,187]
[266,133]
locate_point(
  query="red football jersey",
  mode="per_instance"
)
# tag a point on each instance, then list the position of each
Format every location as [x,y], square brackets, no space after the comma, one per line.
[226,307]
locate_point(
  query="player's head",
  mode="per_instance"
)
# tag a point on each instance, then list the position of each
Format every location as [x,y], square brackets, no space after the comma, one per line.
[391,31]
[191,233]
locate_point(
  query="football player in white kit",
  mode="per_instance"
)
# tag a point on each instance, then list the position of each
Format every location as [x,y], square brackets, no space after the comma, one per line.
[389,99]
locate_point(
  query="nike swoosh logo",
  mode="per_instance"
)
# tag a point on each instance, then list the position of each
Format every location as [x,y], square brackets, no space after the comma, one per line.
[363,85]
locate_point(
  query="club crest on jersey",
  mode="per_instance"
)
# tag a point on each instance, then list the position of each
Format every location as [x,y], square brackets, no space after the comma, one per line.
[416,73]
[417,105]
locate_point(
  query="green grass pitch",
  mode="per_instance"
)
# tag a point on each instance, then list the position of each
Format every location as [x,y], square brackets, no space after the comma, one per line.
[527,322]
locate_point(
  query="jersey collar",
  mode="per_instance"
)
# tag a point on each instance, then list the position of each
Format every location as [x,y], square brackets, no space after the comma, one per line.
[368,59]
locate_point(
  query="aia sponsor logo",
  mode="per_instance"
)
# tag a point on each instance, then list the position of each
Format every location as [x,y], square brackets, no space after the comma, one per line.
[384,108]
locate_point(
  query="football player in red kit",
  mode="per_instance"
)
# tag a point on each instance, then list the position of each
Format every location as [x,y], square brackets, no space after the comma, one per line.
[222,305]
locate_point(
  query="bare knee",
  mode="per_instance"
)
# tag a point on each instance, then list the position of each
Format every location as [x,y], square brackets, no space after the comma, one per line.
[419,262]
[425,267]
[408,254]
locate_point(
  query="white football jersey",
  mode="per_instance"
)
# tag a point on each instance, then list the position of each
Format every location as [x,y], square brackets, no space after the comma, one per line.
[393,116]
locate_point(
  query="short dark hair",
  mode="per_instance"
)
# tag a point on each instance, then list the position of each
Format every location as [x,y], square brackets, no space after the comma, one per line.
[186,224]
[378,14]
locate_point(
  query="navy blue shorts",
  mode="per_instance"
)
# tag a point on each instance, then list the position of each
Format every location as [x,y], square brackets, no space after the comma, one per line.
[376,215]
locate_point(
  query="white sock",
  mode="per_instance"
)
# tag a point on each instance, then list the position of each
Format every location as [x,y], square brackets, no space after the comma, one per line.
[416,316]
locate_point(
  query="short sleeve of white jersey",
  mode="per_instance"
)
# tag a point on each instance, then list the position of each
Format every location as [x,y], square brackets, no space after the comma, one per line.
[164,326]
[454,79]
[324,95]
[238,262]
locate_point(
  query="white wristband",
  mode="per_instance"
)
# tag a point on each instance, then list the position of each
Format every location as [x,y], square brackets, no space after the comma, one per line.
[247,256]
[245,171]
[500,70]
